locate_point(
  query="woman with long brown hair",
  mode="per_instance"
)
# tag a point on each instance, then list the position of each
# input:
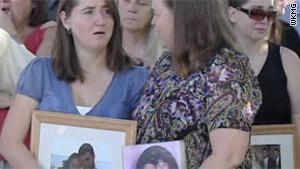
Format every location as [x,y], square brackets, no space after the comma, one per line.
[203,91]
[88,74]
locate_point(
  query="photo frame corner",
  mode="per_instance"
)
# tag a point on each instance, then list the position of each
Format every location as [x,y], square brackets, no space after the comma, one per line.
[278,131]
[129,127]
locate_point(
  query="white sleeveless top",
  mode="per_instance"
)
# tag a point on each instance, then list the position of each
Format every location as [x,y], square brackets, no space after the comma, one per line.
[83,110]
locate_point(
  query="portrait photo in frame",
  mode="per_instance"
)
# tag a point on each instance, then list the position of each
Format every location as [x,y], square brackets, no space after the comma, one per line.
[169,154]
[59,139]
[274,146]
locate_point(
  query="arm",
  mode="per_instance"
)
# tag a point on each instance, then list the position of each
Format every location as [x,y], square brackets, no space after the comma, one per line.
[14,131]
[45,49]
[229,147]
[232,101]
[291,65]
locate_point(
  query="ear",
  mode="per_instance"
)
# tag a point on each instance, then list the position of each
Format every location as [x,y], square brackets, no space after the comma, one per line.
[64,19]
[232,14]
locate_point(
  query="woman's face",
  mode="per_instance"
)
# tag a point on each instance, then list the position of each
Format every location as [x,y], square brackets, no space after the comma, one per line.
[135,15]
[91,24]
[19,10]
[247,27]
[163,19]
[161,164]
[75,163]
[149,166]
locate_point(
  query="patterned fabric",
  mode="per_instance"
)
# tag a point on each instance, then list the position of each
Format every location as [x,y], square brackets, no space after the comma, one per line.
[225,94]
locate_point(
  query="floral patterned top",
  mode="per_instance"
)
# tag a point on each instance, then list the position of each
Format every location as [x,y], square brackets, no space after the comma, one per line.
[225,94]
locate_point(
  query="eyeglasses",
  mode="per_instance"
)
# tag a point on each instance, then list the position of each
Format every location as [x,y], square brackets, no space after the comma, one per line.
[259,14]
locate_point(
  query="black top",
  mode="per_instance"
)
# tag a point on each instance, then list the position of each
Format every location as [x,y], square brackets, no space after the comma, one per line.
[290,37]
[276,108]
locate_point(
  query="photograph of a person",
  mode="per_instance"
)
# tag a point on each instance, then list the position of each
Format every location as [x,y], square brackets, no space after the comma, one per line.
[267,157]
[165,155]
[73,162]
[156,157]
[82,158]
[274,150]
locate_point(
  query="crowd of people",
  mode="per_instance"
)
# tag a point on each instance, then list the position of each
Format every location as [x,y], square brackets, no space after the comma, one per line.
[200,71]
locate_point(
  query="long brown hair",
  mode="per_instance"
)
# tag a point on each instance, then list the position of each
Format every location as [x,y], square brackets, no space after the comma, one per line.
[201,29]
[276,32]
[65,59]
[237,3]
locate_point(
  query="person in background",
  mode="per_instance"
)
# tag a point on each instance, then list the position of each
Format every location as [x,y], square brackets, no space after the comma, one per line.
[88,74]
[87,156]
[203,91]
[275,66]
[27,22]
[52,6]
[73,162]
[268,162]
[140,42]
[277,158]
[14,58]
[282,33]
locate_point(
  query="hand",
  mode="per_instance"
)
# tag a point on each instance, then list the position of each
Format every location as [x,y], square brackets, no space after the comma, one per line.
[6,23]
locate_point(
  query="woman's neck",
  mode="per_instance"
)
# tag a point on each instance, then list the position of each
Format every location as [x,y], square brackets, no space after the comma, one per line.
[134,42]
[257,52]
[92,61]
[23,29]
[253,48]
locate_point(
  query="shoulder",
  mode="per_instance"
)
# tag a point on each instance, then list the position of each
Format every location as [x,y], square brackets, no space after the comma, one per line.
[163,62]
[230,60]
[135,71]
[41,61]
[133,79]
[290,60]
[50,29]
[231,70]
[38,65]
[49,24]
[288,55]
[4,42]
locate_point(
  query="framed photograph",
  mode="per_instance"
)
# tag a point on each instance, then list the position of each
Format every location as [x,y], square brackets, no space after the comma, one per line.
[297,119]
[274,146]
[60,140]
[170,155]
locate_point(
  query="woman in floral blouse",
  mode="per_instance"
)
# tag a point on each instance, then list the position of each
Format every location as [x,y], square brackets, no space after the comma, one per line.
[202,91]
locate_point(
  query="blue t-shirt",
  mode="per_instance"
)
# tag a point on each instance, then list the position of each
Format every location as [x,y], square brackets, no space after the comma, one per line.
[39,82]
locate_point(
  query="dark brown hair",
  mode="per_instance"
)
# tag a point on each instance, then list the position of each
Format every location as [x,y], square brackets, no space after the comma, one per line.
[154,153]
[201,29]
[65,59]
[67,163]
[237,3]
[86,147]
[38,14]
